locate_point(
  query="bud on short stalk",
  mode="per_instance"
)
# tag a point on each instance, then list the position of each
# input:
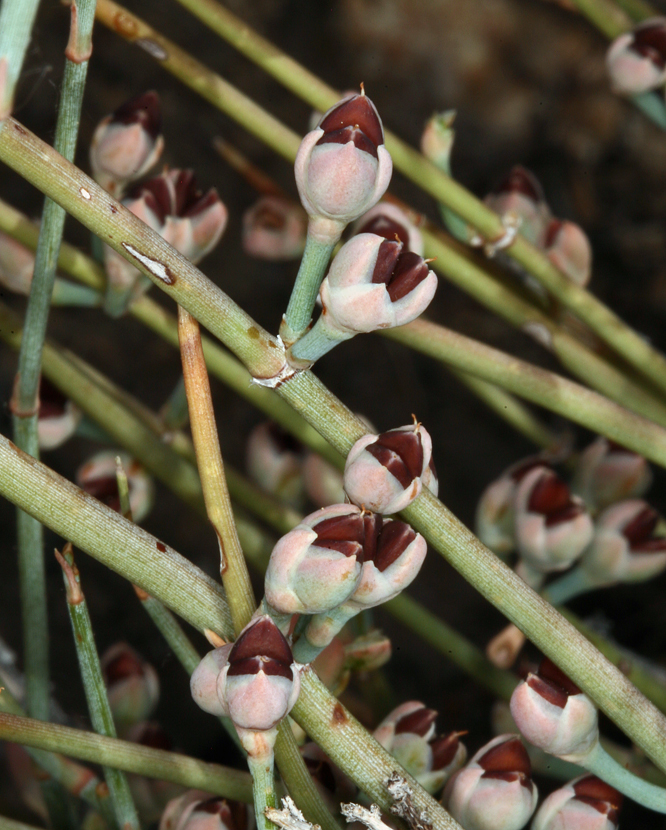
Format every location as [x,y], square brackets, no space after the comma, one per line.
[99,479]
[553,714]
[636,60]
[127,144]
[322,481]
[566,245]
[520,197]
[386,472]
[274,229]
[132,685]
[342,167]
[495,790]
[586,803]
[552,527]
[57,418]
[368,652]
[274,460]
[196,810]
[17,264]
[389,221]
[408,734]
[373,283]
[607,473]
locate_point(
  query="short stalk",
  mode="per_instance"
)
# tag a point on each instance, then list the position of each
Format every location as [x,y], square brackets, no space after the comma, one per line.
[316,343]
[569,586]
[601,764]
[233,568]
[653,106]
[311,272]
[320,631]
[261,763]
[93,684]
[70,294]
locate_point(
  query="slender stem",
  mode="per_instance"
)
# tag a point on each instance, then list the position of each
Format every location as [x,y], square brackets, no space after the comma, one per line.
[609,770]
[638,10]
[606,15]
[16,21]
[174,413]
[233,569]
[93,685]
[304,293]
[422,172]
[263,784]
[129,757]
[316,343]
[12,824]
[568,586]
[653,106]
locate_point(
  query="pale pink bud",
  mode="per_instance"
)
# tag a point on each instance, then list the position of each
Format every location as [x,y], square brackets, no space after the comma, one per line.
[331,666]
[260,682]
[494,523]
[437,139]
[128,143]
[586,803]
[368,652]
[494,791]
[520,196]
[384,473]
[58,417]
[333,785]
[636,60]
[553,714]
[274,228]
[392,561]
[274,460]
[322,481]
[625,548]
[552,527]
[214,814]
[16,265]
[342,167]
[607,473]
[99,479]
[317,565]
[389,221]
[373,283]
[203,682]
[132,685]
[566,245]
[179,808]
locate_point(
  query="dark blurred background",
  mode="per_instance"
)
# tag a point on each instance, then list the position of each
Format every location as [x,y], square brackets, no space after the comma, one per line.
[528,80]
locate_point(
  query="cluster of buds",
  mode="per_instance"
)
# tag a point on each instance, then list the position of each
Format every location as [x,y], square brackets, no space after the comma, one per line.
[274,229]
[132,685]
[494,791]
[173,206]
[391,222]
[586,803]
[99,478]
[625,547]
[127,143]
[554,715]
[342,167]
[386,472]
[253,681]
[607,473]
[57,418]
[196,810]
[408,733]
[636,60]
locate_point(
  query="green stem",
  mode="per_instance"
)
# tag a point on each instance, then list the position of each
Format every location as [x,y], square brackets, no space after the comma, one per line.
[174,414]
[263,783]
[16,21]
[69,294]
[653,106]
[304,293]
[12,824]
[129,757]
[93,684]
[638,10]
[316,343]
[603,766]
[568,586]
[606,15]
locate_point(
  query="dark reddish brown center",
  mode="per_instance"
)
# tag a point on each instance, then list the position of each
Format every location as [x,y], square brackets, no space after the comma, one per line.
[520,180]
[345,534]
[261,647]
[394,539]
[639,531]
[552,231]
[417,722]
[105,489]
[382,225]
[126,664]
[269,218]
[359,112]
[510,756]
[144,110]
[444,750]
[650,42]
[401,452]
[551,497]
[51,400]
[598,794]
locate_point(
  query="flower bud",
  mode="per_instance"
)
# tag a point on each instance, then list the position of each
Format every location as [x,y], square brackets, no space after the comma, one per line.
[368,652]
[203,682]
[389,221]
[607,473]
[384,473]
[342,167]
[98,478]
[636,60]
[408,733]
[568,248]
[624,547]
[274,461]
[196,810]
[437,139]
[58,417]
[553,714]
[322,481]
[274,228]
[128,143]
[132,685]
[494,523]
[317,565]
[495,790]
[373,283]
[17,264]
[520,196]
[552,527]
[260,682]
[586,803]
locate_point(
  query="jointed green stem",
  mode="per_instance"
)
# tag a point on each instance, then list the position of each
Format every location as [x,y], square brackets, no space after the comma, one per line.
[603,766]
[304,293]
[93,684]
[263,784]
